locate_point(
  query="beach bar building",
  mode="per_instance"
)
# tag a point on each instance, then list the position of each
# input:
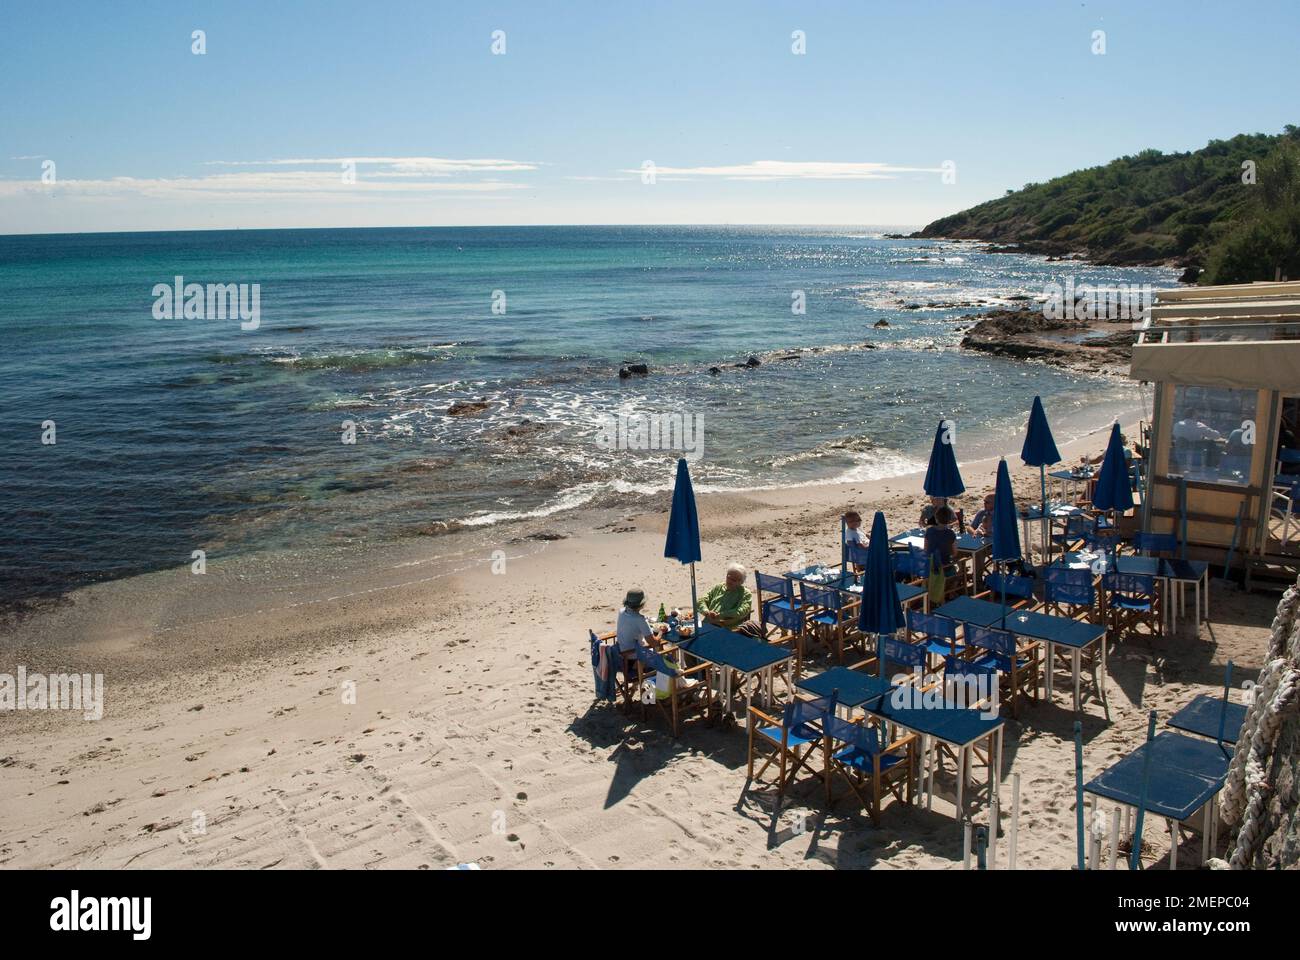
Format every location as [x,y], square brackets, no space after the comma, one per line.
[1223,458]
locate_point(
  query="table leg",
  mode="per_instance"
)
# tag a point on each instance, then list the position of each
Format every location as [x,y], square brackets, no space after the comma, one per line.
[1047,674]
[1173,844]
[1074,660]
[963,755]
[928,747]
[1205,832]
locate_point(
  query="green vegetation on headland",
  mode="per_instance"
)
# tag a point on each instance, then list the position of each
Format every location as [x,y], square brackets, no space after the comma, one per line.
[1231,209]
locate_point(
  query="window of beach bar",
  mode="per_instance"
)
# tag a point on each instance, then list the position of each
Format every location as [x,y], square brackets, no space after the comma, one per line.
[1213,433]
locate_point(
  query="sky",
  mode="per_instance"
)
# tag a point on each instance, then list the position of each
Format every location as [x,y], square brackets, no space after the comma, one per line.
[702,112]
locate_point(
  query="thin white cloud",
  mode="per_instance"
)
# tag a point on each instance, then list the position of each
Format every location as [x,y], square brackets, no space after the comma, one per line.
[311,185]
[432,166]
[35,156]
[773,170]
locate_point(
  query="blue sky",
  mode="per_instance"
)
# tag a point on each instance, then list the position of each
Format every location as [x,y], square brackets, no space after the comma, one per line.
[144,134]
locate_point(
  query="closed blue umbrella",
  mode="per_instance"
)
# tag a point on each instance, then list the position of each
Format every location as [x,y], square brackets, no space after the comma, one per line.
[1040,451]
[1114,491]
[1006,532]
[683,543]
[942,478]
[881,611]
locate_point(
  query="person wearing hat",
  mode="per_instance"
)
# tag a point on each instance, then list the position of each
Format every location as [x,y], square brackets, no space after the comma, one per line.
[633,628]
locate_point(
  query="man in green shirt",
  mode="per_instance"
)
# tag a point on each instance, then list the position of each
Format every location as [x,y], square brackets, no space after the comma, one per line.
[729,604]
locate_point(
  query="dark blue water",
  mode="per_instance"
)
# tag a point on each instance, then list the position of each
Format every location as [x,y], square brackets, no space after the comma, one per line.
[176,435]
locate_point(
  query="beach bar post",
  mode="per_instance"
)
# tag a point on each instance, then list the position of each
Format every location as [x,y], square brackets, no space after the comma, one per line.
[1223,707]
[1135,855]
[1078,791]
[1015,821]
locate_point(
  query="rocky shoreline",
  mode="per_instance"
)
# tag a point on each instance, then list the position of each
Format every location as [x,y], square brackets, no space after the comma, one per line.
[1085,346]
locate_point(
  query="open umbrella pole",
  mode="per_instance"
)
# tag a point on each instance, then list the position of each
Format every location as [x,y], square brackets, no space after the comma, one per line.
[1043,525]
[695,605]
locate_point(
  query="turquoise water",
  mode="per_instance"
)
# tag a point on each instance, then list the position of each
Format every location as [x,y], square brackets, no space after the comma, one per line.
[175,435]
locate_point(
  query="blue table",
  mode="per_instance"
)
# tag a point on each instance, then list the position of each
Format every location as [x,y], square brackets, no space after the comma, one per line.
[1178,573]
[852,687]
[1055,512]
[1201,716]
[1071,480]
[950,723]
[1075,635]
[1185,775]
[750,657]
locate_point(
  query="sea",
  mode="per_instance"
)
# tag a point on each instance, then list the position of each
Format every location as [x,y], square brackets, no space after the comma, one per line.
[134,434]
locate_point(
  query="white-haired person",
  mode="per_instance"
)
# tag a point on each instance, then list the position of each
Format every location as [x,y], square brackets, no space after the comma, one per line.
[729,604]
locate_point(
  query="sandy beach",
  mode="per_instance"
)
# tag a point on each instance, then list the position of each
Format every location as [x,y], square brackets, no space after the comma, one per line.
[228,738]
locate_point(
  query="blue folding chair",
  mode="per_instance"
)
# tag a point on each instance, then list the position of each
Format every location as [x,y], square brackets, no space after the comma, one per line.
[1014,664]
[872,768]
[1077,529]
[775,595]
[828,617]
[685,694]
[791,741]
[1069,593]
[894,653]
[1019,591]
[1133,601]
[938,633]
[1155,544]
[910,563]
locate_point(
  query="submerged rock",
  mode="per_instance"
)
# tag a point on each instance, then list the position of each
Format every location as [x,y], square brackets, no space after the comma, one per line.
[467,408]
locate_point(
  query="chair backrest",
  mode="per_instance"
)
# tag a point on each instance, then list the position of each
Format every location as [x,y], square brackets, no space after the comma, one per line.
[1078,526]
[820,596]
[856,553]
[1001,642]
[805,711]
[786,618]
[1011,585]
[1155,543]
[931,625]
[864,736]
[767,583]
[907,654]
[1288,455]
[1135,585]
[1066,585]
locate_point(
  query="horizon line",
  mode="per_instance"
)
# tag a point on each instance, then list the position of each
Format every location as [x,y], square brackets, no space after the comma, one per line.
[472,226]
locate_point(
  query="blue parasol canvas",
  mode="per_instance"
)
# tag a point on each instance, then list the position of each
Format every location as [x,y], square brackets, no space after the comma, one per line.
[1040,451]
[683,542]
[881,611]
[942,478]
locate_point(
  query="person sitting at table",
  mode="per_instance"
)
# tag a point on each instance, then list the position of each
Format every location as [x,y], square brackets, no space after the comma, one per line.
[728,605]
[633,628]
[940,538]
[983,522]
[853,535]
[929,510]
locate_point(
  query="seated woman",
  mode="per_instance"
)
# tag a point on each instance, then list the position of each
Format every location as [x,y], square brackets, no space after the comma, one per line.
[728,605]
[633,628]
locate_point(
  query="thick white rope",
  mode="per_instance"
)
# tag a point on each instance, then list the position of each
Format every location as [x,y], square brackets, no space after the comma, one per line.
[1246,790]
